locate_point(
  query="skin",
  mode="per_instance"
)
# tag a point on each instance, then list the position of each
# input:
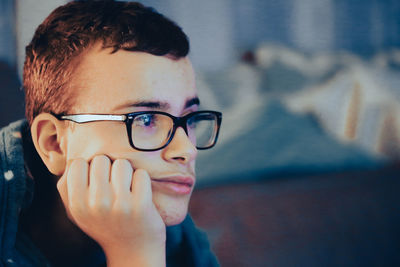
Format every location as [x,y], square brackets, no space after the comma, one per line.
[106,186]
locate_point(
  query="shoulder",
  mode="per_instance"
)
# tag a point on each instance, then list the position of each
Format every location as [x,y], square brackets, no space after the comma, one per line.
[12,184]
[11,150]
[11,137]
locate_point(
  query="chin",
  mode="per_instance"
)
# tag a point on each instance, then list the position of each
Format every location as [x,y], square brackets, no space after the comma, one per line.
[172,209]
[173,220]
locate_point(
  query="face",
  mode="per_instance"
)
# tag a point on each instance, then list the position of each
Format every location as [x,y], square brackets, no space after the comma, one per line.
[125,82]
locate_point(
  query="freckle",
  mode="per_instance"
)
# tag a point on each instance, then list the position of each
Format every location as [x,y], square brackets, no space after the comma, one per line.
[8,175]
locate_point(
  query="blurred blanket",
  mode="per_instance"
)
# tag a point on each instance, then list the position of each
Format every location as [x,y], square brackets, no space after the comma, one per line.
[279,144]
[289,112]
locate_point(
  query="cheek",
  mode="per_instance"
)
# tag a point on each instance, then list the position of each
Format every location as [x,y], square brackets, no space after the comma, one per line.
[149,161]
[112,141]
[86,141]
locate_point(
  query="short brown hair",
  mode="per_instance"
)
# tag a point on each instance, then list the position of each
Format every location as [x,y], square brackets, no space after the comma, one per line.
[70,30]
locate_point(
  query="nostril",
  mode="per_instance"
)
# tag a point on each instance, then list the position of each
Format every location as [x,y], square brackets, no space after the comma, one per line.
[179,158]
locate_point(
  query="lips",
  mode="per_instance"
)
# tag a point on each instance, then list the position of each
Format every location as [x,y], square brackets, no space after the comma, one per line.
[177,185]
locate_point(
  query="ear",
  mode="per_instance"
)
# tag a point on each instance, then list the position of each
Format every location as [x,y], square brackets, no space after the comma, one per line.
[48,134]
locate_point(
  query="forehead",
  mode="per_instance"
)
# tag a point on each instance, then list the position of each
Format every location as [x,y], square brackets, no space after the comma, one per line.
[104,81]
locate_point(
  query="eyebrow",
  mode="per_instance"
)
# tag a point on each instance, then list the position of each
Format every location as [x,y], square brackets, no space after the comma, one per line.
[158,104]
[191,102]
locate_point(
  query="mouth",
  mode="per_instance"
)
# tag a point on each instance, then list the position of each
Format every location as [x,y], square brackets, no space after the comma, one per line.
[177,185]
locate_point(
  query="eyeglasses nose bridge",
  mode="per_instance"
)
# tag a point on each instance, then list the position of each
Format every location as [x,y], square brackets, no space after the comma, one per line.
[181,122]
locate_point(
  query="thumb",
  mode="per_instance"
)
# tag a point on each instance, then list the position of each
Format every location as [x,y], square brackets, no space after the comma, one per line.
[63,188]
[62,185]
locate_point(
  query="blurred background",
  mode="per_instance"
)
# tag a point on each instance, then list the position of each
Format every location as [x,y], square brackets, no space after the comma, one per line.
[305,172]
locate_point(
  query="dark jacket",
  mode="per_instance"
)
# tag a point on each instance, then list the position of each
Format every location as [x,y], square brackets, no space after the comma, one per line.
[186,245]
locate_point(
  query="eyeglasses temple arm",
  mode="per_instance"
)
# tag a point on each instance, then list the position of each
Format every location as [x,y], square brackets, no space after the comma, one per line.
[82,118]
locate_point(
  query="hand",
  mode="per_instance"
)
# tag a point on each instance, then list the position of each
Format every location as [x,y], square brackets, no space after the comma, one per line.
[113,204]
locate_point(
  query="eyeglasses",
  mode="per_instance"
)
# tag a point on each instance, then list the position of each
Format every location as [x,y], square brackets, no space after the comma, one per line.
[154,130]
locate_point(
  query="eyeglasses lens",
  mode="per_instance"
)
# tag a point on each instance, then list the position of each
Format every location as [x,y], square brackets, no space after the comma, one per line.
[202,129]
[152,131]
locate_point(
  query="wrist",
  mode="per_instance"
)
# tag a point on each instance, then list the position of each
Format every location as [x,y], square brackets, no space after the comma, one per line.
[152,256]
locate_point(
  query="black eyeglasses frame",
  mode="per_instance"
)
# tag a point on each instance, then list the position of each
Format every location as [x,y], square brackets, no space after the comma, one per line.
[129,118]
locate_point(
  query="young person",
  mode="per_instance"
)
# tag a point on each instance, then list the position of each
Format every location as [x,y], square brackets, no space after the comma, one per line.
[102,169]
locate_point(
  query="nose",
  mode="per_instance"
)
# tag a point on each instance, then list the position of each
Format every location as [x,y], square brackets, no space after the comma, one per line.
[180,149]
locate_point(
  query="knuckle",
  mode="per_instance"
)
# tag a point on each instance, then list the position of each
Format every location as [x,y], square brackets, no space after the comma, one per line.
[101,159]
[99,206]
[123,208]
[122,163]
[78,163]
[141,172]
[140,206]
[77,208]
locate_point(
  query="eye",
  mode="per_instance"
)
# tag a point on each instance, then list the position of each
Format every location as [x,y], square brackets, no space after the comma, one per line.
[192,123]
[146,120]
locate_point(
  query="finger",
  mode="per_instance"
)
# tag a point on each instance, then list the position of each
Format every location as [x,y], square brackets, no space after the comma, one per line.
[62,184]
[77,183]
[99,182]
[141,186]
[121,178]
[62,187]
